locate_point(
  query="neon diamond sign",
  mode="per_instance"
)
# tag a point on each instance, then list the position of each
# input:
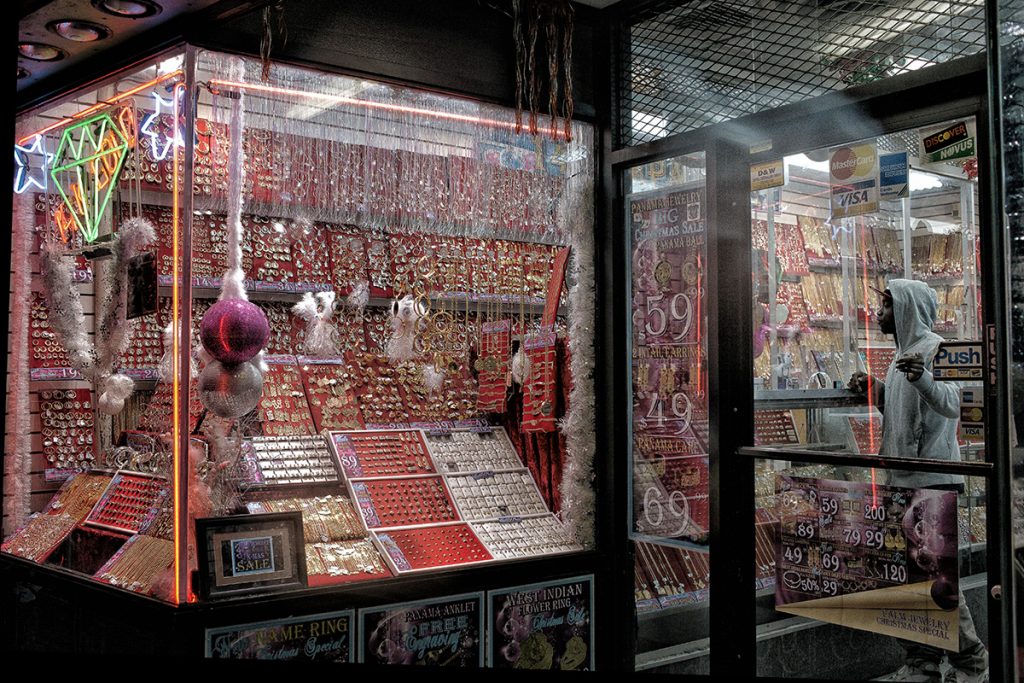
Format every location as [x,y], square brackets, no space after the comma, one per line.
[87,165]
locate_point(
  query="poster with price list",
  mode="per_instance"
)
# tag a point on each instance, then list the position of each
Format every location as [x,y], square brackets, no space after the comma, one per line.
[669,253]
[870,557]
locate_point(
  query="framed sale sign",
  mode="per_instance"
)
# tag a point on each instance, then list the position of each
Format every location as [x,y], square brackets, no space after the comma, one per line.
[871,557]
[669,364]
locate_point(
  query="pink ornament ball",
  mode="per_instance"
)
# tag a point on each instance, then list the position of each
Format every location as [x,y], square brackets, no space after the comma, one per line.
[233,331]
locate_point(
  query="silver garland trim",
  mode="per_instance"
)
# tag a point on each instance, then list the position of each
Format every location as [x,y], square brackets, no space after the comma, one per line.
[113,331]
[578,425]
[18,446]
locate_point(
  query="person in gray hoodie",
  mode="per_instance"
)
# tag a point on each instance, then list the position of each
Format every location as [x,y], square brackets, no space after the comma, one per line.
[920,421]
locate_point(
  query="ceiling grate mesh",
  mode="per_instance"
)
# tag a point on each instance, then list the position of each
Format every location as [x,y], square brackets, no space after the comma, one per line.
[686,64]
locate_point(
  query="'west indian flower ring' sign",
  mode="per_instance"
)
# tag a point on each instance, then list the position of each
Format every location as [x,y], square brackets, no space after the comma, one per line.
[86,168]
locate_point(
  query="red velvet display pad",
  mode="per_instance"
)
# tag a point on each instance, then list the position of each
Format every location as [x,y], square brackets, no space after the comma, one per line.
[539,390]
[543,452]
[347,258]
[379,268]
[332,406]
[774,427]
[157,416]
[432,546]
[129,502]
[554,293]
[792,295]
[264,233]
[867,432]
[293,417]
[495,343]
[878,359]
[396,502]
[369,371]
[384,453]
[39,355]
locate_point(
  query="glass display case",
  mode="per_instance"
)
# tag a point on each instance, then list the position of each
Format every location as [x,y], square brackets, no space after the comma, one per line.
[289,328]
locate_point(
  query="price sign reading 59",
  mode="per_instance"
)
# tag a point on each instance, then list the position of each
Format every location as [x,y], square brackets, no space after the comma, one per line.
[668,315]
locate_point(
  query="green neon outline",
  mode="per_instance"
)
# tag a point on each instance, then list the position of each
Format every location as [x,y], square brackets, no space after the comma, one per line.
[90,229]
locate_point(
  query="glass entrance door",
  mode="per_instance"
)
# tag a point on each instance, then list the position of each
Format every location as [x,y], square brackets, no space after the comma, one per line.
[867,342]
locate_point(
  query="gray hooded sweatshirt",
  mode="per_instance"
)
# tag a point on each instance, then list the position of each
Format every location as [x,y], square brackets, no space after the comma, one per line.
[920,417]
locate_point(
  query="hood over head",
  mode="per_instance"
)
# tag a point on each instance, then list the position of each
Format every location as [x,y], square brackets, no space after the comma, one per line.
[915,306]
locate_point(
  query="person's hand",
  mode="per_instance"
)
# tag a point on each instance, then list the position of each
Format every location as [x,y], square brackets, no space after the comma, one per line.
[861,383]
[911,365]
[858,382]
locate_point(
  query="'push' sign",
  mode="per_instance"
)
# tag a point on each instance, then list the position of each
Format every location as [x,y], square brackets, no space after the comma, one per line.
[958,361]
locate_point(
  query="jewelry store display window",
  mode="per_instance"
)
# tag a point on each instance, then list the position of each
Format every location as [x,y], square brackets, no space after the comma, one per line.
[294,329]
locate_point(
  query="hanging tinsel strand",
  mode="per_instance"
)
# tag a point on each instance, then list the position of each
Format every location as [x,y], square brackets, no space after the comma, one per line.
[555,19]
[551,33]
[567,100]
[272,14]
[533,19]
[520,43]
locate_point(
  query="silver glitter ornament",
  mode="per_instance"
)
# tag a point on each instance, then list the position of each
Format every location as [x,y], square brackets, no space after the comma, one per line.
[230,390]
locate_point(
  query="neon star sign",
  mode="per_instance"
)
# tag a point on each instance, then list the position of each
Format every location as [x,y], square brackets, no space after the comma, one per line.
[89,160]
[160,144]
[24,176]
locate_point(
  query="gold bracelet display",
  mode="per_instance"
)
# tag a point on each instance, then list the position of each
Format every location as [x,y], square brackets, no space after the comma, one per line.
[139,564]
[80,494]
[324,519]
[40,535]
[344,558]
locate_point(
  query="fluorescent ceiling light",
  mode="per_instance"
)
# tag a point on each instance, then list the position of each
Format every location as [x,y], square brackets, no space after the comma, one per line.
[649,124]
[923,181]
[804,161]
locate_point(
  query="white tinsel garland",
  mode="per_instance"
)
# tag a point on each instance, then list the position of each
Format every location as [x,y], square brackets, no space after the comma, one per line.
[432,377]
[233,284]
[113,331]
[64,307]
[405,322]
[321,337]
[520,366]
[578,498]
[17,444]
